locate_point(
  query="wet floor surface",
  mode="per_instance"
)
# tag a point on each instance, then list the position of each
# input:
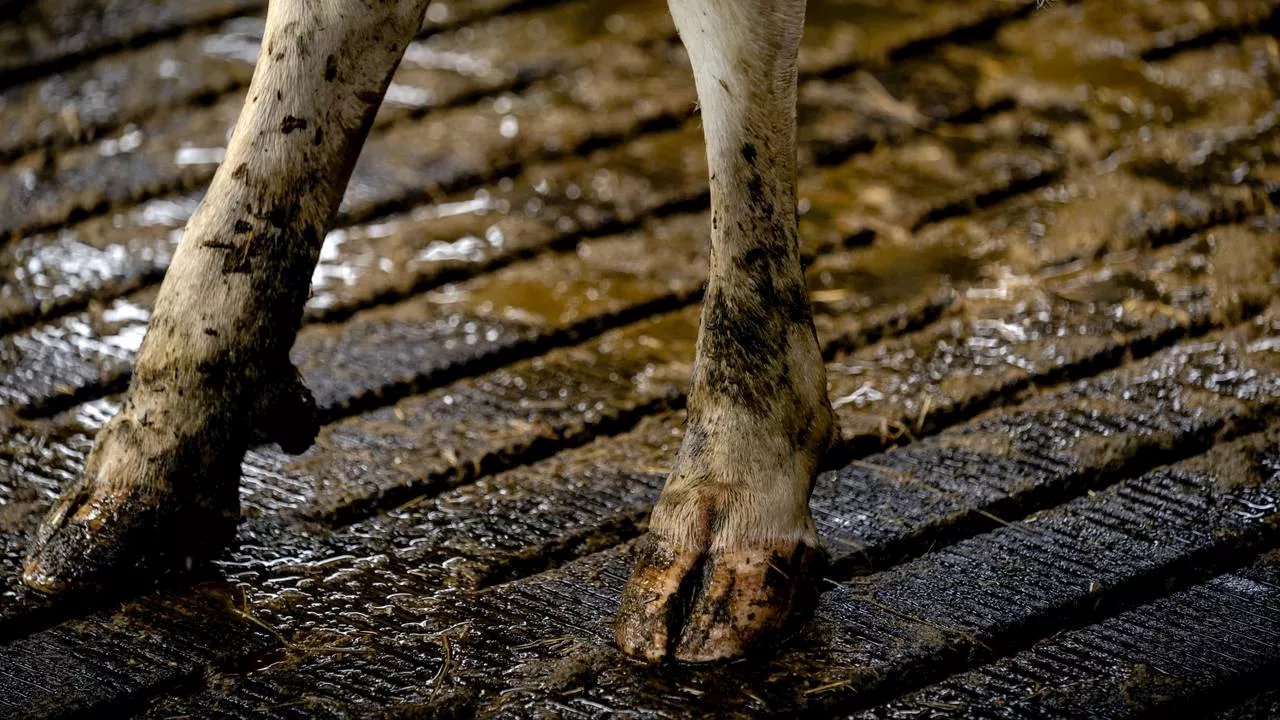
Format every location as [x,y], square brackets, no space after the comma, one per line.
[1043,251]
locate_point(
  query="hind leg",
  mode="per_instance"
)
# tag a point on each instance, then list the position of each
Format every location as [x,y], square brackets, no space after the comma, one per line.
[213,373]
[731,541]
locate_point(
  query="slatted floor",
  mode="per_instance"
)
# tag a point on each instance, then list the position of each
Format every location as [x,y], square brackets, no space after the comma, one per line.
[1043,250]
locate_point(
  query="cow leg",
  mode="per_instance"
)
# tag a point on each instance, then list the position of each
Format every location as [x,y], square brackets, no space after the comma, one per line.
[213,373]
[731,541]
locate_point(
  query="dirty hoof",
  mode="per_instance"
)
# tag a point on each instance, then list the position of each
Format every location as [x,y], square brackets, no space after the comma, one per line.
[698,606]
[94,540]
[122,522]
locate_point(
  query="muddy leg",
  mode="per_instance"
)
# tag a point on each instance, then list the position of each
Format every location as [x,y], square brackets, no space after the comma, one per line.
[731,541]
[213,373]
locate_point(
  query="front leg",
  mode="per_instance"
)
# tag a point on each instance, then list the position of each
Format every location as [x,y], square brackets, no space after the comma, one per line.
[731,541]
[213,373]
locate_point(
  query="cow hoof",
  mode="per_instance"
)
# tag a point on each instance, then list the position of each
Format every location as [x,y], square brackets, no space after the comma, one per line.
[126,519]
[697,606]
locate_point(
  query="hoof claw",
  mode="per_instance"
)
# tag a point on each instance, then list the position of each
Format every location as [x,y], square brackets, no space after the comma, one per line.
[79,545]
[94,541]
[701,607]
[117,525]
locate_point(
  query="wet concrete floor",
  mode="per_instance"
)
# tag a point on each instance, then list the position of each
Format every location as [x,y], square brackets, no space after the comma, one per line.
[1043,251]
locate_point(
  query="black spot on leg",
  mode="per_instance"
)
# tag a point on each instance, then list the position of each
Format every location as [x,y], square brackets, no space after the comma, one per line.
[279,96]
[233,261]
[725,85]
[211,332]
[743,347]
[242,227]
[755,188]
[716,521]
[291,123]
[241,171]
[319,137]
[330,68]
[801,437]
[282,216]
[749,153]
[752,263]
[311,237]
[747,328]
[797,308]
